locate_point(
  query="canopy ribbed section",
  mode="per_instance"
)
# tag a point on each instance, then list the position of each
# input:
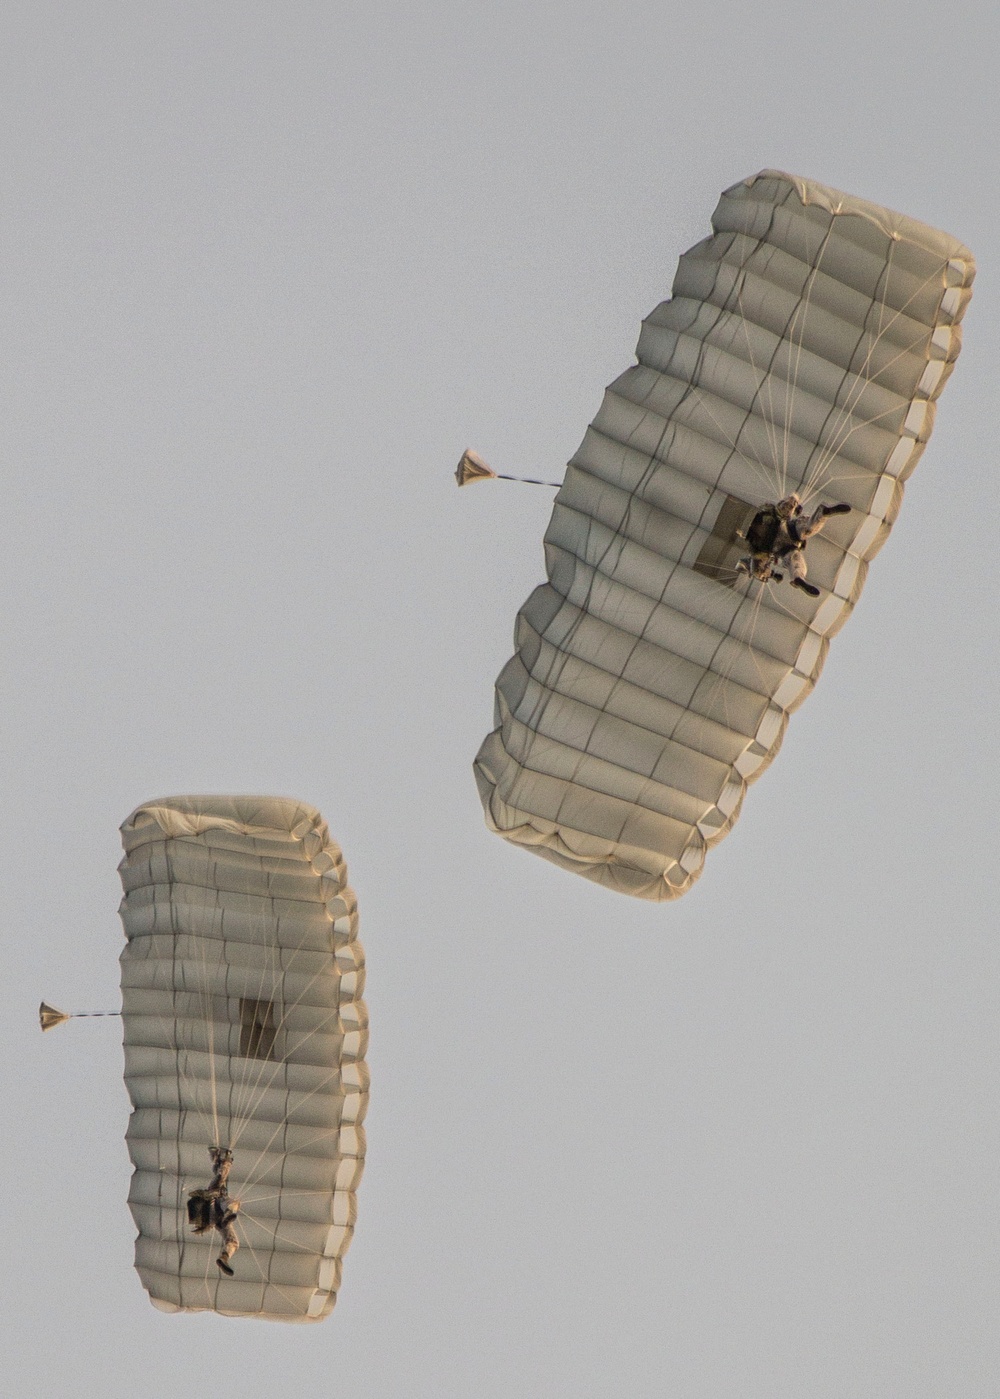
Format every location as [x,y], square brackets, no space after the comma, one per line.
[803,349]
[244,1028]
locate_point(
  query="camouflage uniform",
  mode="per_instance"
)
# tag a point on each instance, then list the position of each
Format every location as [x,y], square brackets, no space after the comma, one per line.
[225,1222]
[778,536]
[211,1208]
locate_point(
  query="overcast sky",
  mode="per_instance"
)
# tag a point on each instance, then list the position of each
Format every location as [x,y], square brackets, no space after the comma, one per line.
[266,269]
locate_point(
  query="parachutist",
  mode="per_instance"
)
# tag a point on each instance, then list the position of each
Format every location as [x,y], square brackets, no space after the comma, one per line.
[778,534]
[211,1207]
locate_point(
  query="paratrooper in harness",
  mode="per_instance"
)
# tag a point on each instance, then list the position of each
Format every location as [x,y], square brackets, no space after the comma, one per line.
[777,536]
[212,1207]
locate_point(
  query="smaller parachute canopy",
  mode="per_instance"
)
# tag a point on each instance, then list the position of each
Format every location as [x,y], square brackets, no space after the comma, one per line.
[49,1017]
[473,468]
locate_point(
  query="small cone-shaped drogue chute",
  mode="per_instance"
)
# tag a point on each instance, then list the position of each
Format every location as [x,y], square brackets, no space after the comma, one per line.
[49,1017]
[473,468]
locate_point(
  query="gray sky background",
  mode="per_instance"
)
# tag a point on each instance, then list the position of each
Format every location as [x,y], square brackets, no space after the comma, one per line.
[265,271]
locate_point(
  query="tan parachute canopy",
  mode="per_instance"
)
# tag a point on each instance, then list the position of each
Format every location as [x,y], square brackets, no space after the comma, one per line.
[802,350]
[244,1028]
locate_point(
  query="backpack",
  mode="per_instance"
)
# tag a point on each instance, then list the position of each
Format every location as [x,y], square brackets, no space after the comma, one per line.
[763,530]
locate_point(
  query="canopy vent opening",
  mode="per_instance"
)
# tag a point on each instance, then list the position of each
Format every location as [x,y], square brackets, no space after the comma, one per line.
[257,1029]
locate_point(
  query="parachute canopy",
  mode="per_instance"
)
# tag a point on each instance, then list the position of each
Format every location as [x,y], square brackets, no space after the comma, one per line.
[802,350]
[244,1028]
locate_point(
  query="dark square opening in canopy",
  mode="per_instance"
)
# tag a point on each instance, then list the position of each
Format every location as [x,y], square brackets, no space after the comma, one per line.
[257,1029]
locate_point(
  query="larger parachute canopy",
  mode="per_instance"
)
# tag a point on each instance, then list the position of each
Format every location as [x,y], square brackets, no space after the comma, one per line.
[802,350]
[244,1029]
